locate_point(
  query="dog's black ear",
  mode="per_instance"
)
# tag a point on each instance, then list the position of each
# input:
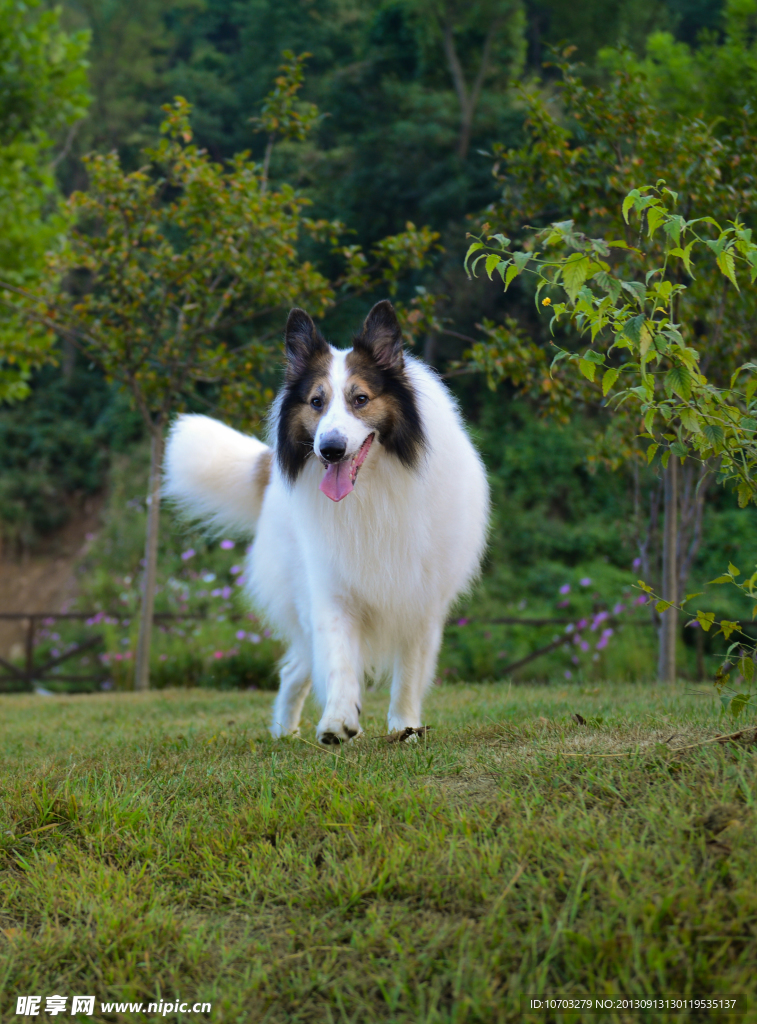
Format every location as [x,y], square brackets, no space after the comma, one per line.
[301,341]
[381,336]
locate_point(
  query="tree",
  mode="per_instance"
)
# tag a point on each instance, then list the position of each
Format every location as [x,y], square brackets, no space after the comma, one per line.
[579,163]
[44,95]
[479,40]
[640,326]
[166,271]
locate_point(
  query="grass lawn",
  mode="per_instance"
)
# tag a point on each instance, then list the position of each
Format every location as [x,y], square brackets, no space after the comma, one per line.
[162,846]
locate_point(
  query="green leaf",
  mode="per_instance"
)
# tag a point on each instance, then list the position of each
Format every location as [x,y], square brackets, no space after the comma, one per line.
[512,271]
[687,258]
[473,247]
[645,587]
[632,328]
[714,434]
[721,579]
[739,702]
[655,217]
[587,368]
[678,380]
[492,260]
[726,264]
[594,357]
[662,606]
[635,288]
[574,272]
[502,267]
[608,379]
[690,420]
[628,203]
[733,570]
[706,620]
[652,451]
[728,627]
[608,284]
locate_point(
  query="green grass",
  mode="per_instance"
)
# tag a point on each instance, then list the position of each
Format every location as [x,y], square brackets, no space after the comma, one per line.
[162,845]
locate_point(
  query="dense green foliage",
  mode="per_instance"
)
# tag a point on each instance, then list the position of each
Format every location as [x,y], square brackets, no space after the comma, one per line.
[43,93]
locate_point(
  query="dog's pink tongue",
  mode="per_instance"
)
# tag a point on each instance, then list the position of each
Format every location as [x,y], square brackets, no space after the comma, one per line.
[336,483]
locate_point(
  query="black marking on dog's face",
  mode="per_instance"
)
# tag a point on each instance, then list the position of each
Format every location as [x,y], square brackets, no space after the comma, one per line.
[307,371]
[377,361]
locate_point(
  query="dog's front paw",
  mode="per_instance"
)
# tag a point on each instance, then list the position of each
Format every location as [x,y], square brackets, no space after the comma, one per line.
[338,726]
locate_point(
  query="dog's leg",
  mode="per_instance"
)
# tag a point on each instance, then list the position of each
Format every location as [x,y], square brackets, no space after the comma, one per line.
[293,689]
[414,668]
[337,672]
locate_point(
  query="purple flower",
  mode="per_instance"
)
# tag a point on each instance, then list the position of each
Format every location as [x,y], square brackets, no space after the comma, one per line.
[254,638]
[106,684]
[186,555]
[235,570]
[568,674]
[586,581]
[216,593]
[641,599]
[227,545]
[584,646]
[563,604]
[582,624]
[565,588]
[241,635]
[241,581]
[604,639]
[576,660]
[599,618]
[218,654]
[55,652]
[162,657]
[618,608]
[226,593]
[462,622]
[636,564]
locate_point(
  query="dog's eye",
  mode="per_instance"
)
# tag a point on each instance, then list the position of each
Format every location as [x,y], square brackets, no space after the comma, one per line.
[316,402]
[361,400]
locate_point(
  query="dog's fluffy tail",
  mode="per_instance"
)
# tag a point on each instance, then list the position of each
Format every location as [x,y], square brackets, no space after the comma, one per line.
[215,473]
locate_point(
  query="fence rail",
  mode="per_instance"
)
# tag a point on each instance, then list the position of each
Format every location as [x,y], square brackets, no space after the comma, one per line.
[32,672]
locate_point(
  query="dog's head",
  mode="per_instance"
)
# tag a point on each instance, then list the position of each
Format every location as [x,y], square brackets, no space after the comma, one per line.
[336,404]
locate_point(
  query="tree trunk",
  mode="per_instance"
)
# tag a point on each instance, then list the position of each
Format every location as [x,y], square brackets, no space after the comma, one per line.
[142,667]
[666,669]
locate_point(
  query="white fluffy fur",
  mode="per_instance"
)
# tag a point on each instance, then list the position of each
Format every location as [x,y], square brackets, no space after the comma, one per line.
[209,471]
[355,587]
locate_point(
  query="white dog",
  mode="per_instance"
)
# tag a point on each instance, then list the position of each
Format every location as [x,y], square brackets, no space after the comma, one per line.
[356,579]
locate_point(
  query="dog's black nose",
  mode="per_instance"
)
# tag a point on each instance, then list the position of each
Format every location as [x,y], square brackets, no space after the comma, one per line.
[333,446]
